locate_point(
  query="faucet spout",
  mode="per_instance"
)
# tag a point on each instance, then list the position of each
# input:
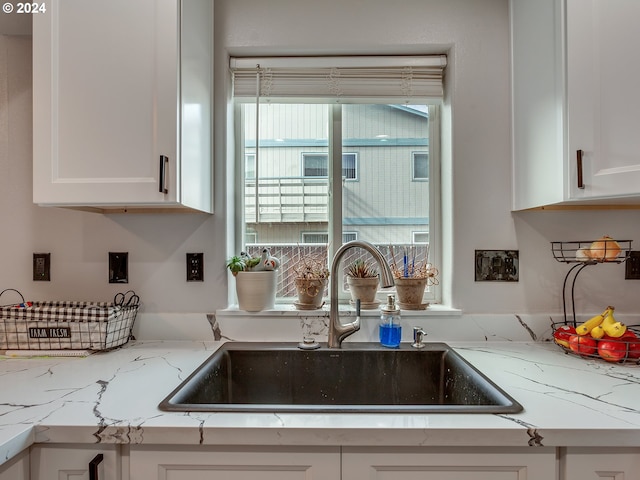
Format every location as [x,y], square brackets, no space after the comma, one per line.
[338,331]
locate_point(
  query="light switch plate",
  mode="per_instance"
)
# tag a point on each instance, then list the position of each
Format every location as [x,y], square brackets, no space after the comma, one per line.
[497,265]
[118,267]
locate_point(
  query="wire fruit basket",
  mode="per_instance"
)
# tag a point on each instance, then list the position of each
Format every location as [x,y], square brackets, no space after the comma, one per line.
[625,349]
[64,325]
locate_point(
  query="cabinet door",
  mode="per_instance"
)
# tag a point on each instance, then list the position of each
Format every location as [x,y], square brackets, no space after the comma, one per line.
[72,462]
[603,75]
[602,463]
[448,463]
[242,463]
[105,101]
[17,468]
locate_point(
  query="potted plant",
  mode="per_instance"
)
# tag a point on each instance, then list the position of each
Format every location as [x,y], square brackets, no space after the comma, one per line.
[362,278]
[412,279]
[311,276]
[256,280]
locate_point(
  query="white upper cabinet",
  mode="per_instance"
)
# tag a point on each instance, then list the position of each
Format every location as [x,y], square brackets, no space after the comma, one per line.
[575,73]
[122,101]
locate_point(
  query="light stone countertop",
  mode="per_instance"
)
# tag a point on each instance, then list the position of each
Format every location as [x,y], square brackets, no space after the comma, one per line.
[113,397]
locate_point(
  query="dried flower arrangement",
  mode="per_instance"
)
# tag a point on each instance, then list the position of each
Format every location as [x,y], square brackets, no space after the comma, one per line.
[312,267]
[412,268]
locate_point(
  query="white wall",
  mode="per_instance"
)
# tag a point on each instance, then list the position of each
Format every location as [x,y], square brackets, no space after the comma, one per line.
[473,32]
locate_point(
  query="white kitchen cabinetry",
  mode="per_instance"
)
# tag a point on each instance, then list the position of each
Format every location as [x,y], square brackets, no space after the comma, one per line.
[328,463]
[122,99]
[17,468]
[75,461]
[448,463]
[601,463]
[575,101]
[235,463]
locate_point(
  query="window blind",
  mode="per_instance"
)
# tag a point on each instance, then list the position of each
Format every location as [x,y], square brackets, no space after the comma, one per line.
[404,79]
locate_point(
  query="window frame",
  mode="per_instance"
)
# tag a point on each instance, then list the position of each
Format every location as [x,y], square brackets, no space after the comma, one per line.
[335,169]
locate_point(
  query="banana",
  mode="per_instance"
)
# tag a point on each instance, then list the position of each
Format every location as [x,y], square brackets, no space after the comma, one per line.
[586,327]
[597,332]
[612,327]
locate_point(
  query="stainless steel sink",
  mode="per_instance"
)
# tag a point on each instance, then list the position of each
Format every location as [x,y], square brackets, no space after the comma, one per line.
[359,377]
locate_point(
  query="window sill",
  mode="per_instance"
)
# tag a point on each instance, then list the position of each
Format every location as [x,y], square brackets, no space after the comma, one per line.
[289,310]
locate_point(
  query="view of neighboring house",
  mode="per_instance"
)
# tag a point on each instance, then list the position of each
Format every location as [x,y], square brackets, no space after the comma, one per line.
[385,174]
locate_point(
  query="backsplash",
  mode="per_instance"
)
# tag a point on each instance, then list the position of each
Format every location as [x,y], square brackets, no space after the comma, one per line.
[291,325]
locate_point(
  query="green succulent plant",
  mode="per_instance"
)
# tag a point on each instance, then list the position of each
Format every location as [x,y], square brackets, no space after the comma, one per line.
[361,269]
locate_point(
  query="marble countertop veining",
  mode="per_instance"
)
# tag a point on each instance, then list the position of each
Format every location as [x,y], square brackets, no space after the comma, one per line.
[113,397]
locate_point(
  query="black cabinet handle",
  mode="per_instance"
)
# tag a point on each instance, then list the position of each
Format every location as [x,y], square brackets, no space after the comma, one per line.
[579,166]
[93,466]
[163,174]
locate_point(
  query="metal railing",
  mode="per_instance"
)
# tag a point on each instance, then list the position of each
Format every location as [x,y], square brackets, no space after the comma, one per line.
[287,199]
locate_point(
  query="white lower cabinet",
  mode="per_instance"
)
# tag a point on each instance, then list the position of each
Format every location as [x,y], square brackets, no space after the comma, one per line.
[354,463]
[442,463]
[75,462]
[17,468]
[234,463]
[601,464]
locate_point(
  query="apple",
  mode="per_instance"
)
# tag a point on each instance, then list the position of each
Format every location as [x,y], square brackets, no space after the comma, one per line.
[583,344]
[562,334]
[633,344]
[612,350]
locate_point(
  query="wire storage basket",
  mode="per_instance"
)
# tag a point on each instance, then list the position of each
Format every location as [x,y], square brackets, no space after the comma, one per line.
[66,325]
[583,254]
[625,349]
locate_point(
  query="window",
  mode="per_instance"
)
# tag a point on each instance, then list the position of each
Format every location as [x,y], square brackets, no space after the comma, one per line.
[250,165]
[316,165]
[420,166]
[309,133]
[315,237]
[349,236]
[421,237]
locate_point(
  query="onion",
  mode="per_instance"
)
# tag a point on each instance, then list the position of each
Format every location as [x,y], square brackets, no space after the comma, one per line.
[582,255]
[605,249]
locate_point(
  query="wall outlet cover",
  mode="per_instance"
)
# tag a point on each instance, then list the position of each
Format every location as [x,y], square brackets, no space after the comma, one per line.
[497,265]
[41,267]
[195,267]
[632,266]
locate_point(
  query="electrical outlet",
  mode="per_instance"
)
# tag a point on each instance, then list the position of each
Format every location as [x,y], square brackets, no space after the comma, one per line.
[632,266]
[41,267]
[195,267]
[497,265]
[118,267]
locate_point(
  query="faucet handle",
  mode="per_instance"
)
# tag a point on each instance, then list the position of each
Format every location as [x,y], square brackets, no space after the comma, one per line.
[418,334]
[357,307]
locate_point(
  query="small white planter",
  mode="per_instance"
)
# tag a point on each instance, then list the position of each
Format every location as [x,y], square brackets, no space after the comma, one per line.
[256,290]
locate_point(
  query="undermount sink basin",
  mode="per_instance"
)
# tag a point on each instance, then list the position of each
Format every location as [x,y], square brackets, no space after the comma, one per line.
[359,377]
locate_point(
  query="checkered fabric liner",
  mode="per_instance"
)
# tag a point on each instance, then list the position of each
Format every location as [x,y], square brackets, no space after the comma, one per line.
[65,325]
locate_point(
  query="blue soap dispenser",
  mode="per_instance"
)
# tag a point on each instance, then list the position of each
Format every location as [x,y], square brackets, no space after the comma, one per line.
[390,328]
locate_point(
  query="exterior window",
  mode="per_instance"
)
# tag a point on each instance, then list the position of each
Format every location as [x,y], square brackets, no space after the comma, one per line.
[316,165]
[420,166]
[291,205]
[250,165]
[349,236]
[314,237]
[421,237]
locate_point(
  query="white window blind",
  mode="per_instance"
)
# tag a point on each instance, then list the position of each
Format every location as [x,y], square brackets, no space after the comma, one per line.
[406,79]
